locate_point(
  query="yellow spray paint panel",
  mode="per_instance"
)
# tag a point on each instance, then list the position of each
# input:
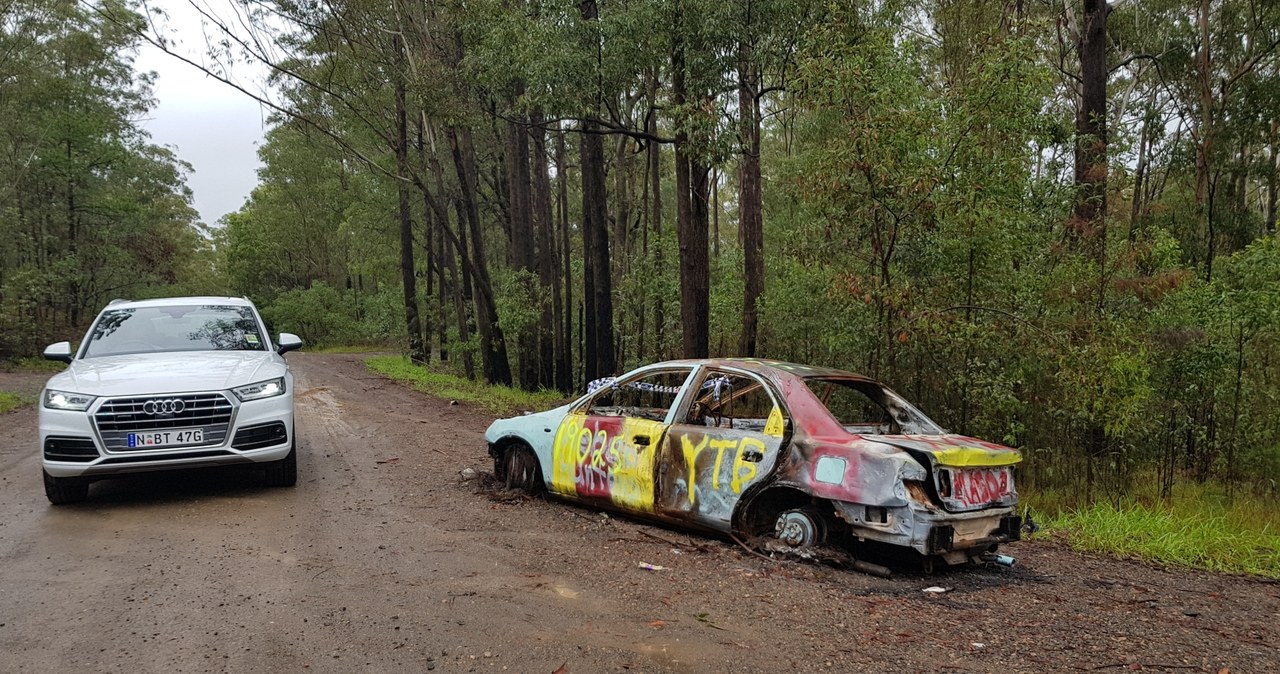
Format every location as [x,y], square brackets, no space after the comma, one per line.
[598,458]
[972,457]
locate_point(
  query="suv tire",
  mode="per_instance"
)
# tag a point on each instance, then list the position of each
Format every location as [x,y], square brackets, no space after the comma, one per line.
[284,473]
[64,490]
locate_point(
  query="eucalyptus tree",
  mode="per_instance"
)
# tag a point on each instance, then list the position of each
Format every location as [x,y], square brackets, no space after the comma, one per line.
[91,210]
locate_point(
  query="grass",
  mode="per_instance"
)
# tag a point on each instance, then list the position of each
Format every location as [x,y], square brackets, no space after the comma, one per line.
[501,400]
[349,348]
[12,401]
[33,365]
[1199,528]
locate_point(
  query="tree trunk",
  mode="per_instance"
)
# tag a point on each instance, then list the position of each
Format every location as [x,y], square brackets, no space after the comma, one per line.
[1272,177]
[522,251]
[564,350]
[1205,79]
[655,176]
[463,295]
[695,274]
[408,277]
[1140,174]
[691,219]
[493,347]
[597,282]
[750,221]
[595,238]
[545,260]
[1090,212]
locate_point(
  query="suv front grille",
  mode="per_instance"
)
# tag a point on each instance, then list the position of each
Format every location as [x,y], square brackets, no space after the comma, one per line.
[118,417]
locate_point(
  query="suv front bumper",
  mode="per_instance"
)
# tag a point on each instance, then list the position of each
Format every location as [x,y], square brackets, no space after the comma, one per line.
[259,431]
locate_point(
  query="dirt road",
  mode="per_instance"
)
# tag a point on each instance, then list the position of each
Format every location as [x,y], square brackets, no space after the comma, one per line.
[383,559]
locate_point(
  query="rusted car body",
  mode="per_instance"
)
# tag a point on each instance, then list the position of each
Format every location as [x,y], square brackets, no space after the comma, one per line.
[746,447]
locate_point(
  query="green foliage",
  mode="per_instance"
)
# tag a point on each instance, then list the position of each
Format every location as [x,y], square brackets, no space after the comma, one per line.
[323,315]
[89,210]
[500,400]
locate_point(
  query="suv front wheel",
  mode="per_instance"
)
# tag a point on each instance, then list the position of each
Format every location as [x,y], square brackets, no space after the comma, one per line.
[284,473]
[63,490]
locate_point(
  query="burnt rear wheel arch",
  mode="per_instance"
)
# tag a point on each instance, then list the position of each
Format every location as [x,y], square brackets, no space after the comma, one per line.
[759,516]
[516,465]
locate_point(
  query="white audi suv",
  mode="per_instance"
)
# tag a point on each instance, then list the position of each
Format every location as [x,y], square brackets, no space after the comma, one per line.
[176,383]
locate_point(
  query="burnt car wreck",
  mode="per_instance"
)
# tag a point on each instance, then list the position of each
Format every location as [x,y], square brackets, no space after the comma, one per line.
[804,456]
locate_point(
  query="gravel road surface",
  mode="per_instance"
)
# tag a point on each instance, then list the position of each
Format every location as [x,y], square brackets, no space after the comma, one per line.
[383,559]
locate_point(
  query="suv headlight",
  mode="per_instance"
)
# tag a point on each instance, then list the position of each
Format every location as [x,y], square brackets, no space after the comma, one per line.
[263,389]
[65,400]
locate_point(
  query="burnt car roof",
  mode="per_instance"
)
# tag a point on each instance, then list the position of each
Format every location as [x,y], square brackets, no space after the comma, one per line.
[766,366]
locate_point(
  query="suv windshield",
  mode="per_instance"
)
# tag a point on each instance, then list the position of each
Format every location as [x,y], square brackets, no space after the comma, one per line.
[188,327]
[867,408]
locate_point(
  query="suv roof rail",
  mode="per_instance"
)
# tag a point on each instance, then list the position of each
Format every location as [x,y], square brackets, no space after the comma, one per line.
[116,301]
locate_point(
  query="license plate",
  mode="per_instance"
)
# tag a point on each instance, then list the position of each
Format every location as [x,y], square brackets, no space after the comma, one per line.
[170,438]
[981,486]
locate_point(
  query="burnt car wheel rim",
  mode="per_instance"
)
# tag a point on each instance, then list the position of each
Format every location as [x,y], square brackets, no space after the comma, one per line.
[798,529]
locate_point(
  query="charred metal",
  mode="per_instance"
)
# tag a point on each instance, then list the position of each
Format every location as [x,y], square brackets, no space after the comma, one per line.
[807,456]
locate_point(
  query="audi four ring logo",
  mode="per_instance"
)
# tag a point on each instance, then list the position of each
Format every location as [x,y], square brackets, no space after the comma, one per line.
[164,406]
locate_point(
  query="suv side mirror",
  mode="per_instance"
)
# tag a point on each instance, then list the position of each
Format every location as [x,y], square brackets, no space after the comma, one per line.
[60,352]
[288,342]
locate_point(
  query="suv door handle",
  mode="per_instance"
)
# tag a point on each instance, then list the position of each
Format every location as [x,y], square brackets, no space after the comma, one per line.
[641,440]
[752,455]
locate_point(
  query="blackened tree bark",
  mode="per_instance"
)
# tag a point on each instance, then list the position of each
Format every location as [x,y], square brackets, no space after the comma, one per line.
[597,282]
[691,220]
[598,285]
[1089,213]
[750,221]
[522,240]
[695,270]
[546,258]
[493,346]
[408,277]
[564,349]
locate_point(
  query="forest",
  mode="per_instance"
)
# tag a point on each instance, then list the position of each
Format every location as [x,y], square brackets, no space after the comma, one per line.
[1051,225]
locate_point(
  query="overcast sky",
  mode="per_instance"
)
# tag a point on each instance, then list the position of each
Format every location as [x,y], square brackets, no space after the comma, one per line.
[210,125]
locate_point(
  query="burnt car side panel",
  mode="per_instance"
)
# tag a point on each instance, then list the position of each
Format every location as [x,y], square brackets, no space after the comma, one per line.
[704,471]
[606,460]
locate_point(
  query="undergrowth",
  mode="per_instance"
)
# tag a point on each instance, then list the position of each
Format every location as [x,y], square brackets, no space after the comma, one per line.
[1199,527]
[350,348]
[501,400]
[33,365]
[11,401]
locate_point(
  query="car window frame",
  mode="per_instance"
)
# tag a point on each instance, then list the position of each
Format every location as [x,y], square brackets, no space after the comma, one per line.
[907,405]
[583,405]
[688,397]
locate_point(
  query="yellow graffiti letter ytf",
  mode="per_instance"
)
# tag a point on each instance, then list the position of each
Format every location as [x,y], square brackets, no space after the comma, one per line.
[744,471]
[691,452]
